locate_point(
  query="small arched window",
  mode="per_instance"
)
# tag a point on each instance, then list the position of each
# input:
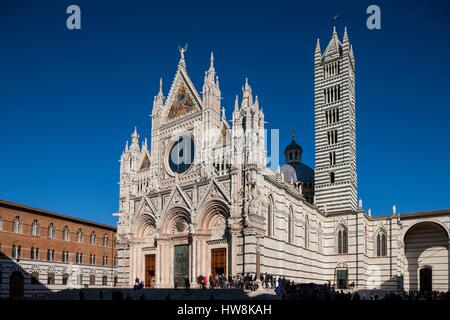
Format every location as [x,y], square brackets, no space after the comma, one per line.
[51,231]
[93,238]
[50,255]
[104,281]
[16,251]
[92,280]
[290,226]
[105,241]
[79,235]
[34,253]
[306,232]
[66,233]
[51,278]
[17,225]
[1,224]
[35,230]
[332,177]
[319,237]
[381,244]
[270,226]
[342,240]
[35,278]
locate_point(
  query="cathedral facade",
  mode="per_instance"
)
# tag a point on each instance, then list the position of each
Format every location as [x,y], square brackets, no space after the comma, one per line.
[199,199]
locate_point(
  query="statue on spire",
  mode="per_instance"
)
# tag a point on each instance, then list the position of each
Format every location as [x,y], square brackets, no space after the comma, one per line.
[182,51]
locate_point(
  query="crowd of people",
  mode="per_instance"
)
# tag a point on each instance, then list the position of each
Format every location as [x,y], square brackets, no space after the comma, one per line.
[287,289]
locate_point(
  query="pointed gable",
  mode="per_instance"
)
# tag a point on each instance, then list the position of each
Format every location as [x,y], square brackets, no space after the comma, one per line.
[183,99]
[145,162]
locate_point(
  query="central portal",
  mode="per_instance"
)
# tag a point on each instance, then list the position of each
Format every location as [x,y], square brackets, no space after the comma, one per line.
[219,261]
[180,264]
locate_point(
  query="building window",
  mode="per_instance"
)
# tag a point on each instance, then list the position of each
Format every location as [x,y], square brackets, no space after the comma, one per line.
[50,255]
[35,278]
[65,279]
[342,240]
[35,230]
[92,280]
[80,279]
[51,231]
[319,237]
[332,158]
[332,137]
[1,224]
[290,226]
[65,256]
[79,258]
[92,259]
[17,225]
[93,238]
[66,233]
[16,251]
[51,278]
[116,261]
[105,241]
[104,281]
[105,261]
[307,232]
[381,244]
[79,236]
[34,253]
[332,177]
[270,218]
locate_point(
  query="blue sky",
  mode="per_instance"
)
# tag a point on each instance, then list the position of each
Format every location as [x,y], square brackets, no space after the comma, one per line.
[70,99]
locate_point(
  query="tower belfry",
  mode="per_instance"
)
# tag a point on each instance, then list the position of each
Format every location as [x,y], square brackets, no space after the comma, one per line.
[335,132]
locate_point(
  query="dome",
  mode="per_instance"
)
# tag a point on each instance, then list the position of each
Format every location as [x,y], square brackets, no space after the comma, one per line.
[297,172]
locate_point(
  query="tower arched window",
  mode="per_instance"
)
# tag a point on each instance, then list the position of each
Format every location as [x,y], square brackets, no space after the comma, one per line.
[66,233]
[35,229]
[342,240]
[51,231]
[381,244]
[17,225]
[332,177]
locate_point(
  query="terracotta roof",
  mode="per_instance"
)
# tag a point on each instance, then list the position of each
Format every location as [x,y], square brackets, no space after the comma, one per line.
[13,205]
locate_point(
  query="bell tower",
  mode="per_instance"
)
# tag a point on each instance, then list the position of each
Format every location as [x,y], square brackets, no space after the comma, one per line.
[335,128]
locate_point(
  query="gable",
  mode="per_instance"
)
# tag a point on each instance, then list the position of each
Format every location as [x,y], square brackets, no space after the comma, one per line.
[183,98]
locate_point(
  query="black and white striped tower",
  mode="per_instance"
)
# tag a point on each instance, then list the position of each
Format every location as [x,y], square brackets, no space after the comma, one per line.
[335,128]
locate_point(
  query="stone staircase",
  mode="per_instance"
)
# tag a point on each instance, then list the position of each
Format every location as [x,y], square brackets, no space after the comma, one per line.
[164,294]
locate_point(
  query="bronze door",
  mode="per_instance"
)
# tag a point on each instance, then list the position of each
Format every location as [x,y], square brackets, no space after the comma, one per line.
[219,261]
[180,264]
[150,270]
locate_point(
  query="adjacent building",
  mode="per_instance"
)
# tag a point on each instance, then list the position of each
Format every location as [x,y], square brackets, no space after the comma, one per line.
[43,251]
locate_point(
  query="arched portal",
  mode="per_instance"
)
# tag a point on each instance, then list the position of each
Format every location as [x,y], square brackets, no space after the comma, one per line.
[16,285]
[212,241]
[174,248]
[427,257]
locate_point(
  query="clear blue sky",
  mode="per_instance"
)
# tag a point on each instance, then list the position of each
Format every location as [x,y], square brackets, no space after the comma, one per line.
[70,99]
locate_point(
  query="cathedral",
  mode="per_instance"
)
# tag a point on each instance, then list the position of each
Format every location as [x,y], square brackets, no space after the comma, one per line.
[199,198]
